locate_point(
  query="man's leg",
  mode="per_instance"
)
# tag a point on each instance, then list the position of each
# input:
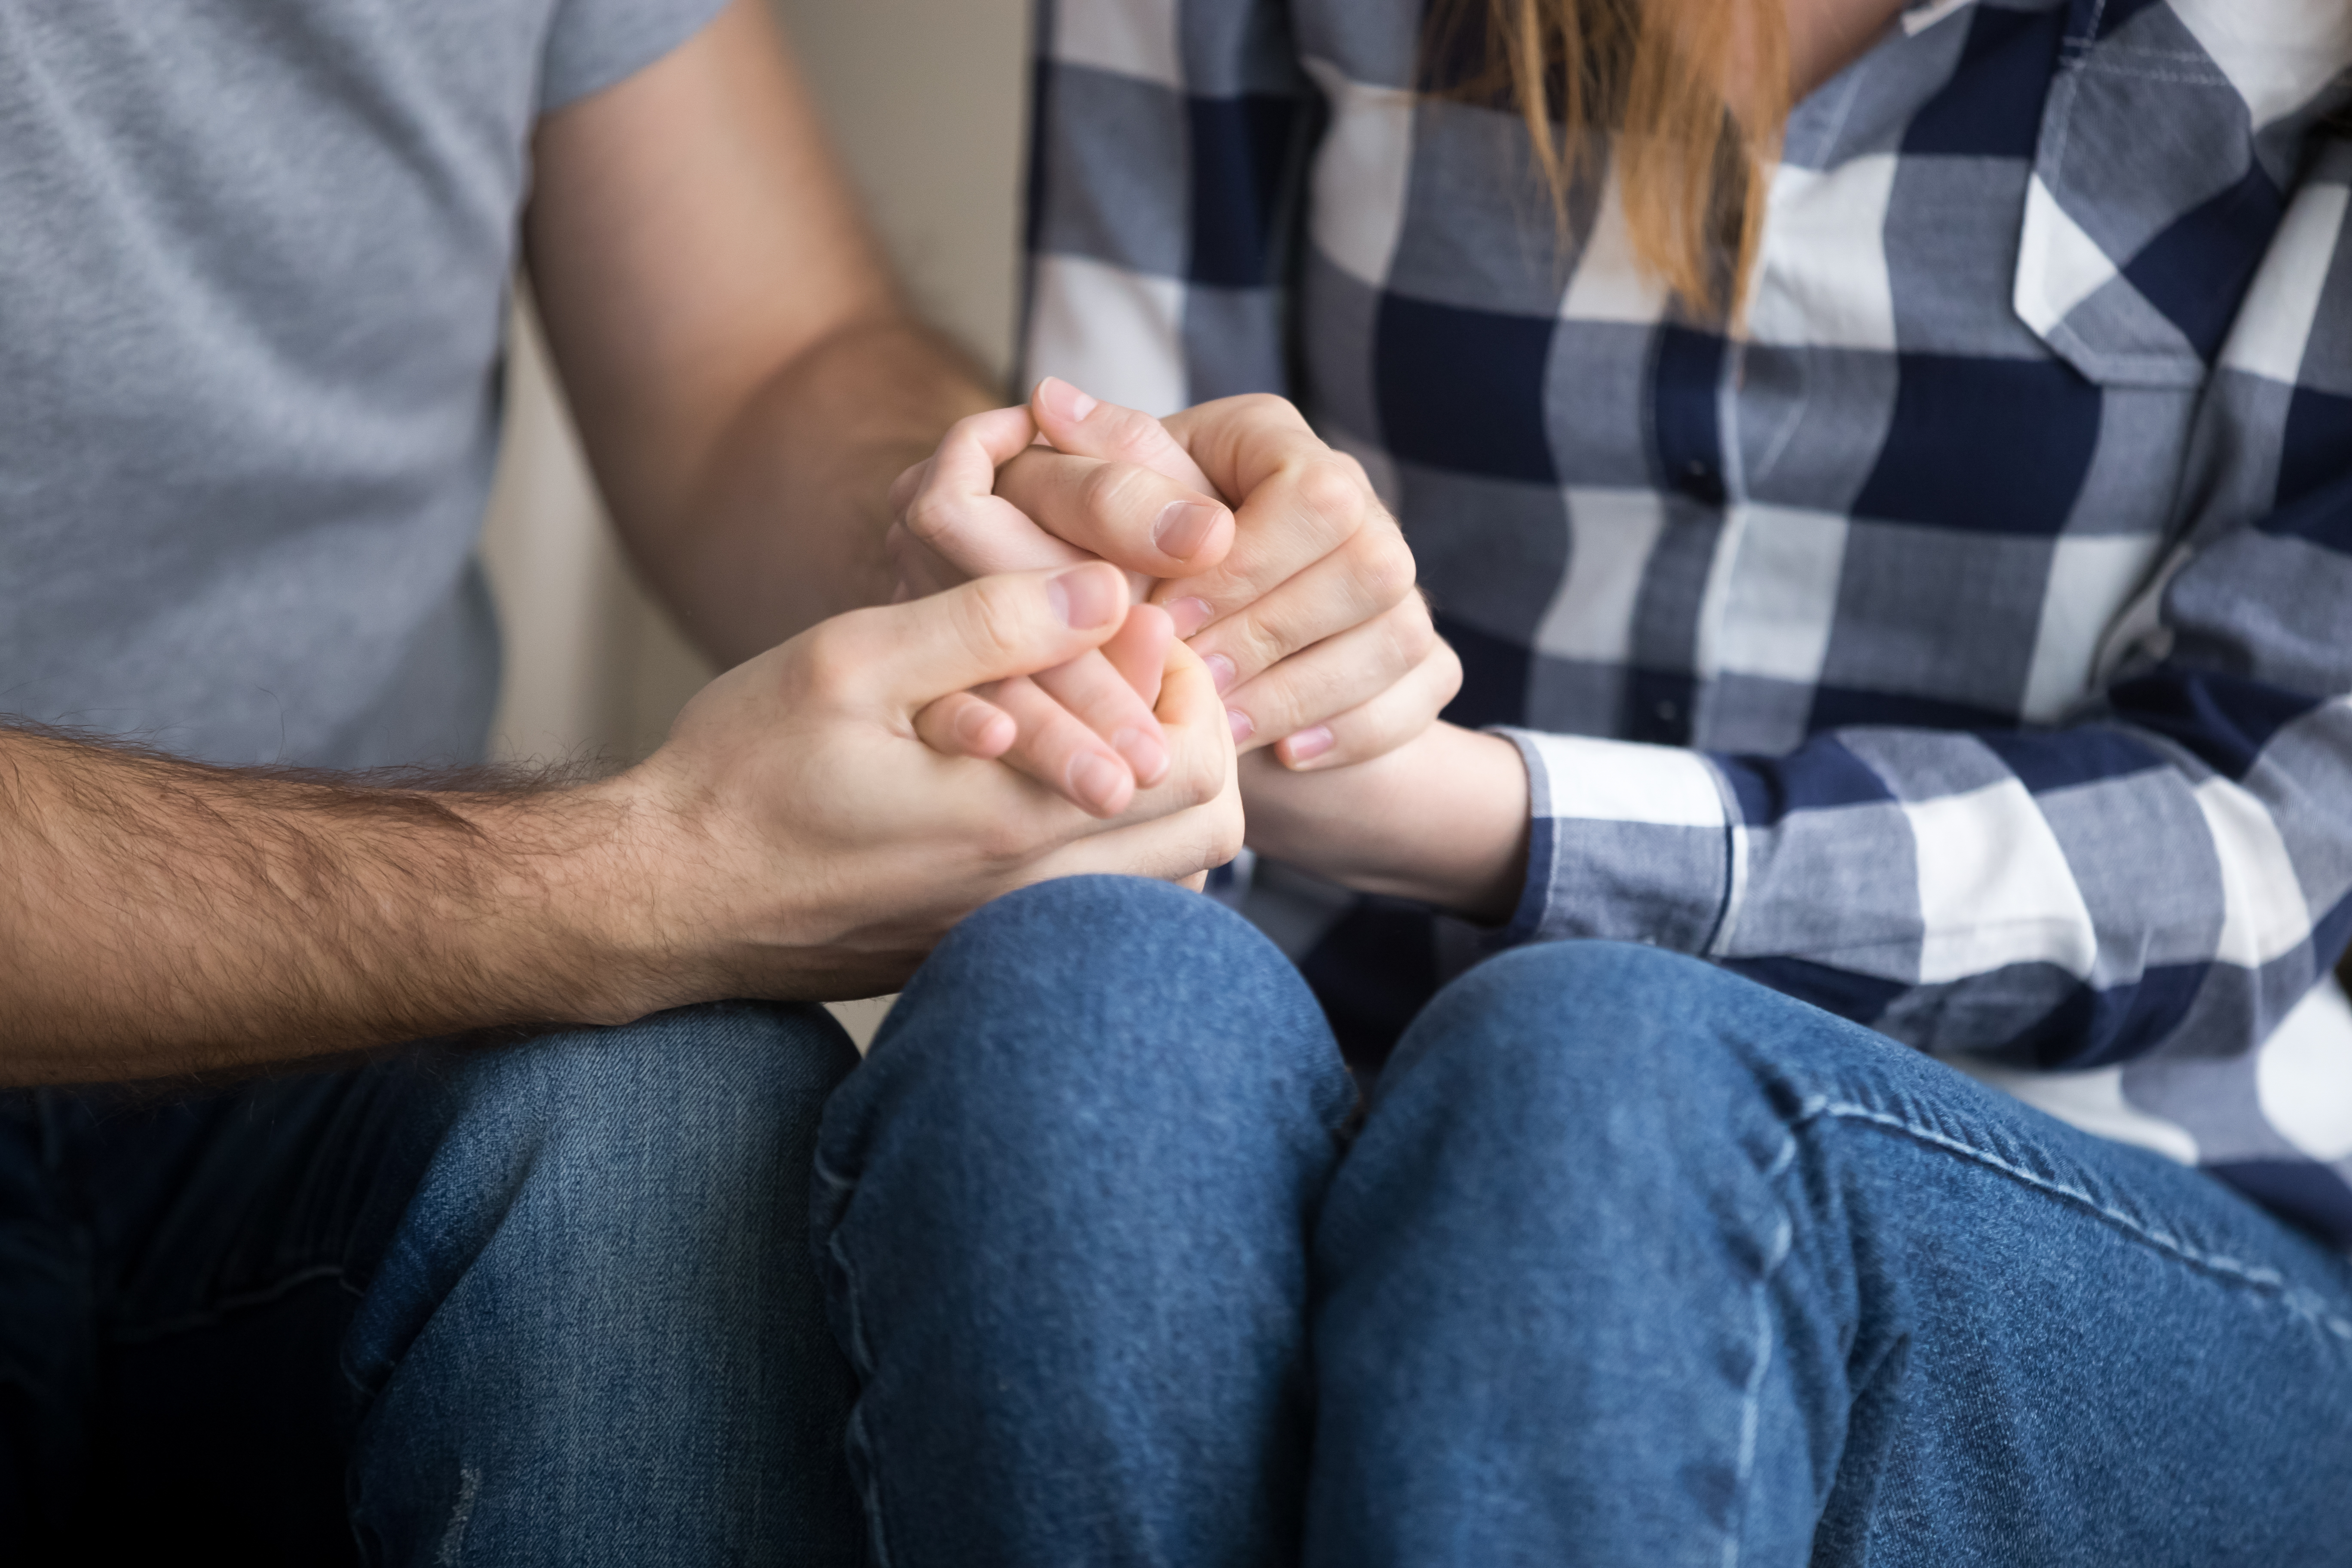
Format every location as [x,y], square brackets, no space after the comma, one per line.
[596,1335]
[175,1283]
[1638,1262]
[547,1303]
[1063,1212]
[48,1360]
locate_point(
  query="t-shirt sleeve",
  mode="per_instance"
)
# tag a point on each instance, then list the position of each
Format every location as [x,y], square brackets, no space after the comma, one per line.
[594,43]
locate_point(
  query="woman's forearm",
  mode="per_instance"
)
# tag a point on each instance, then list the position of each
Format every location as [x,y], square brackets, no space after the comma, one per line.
[1442,820]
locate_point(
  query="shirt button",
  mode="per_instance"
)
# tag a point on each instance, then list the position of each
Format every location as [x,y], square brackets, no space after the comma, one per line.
[1701,483]
[1668,712]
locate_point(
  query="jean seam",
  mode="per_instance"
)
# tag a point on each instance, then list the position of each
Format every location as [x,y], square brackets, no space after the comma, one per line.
[2267,1281]
[861,1360]
[1751,1404]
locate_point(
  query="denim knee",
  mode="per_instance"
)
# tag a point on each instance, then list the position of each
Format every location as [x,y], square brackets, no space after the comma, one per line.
[678,1095]
[1066,1008]
[619,1153]
[1062,1216]
[1592,1062]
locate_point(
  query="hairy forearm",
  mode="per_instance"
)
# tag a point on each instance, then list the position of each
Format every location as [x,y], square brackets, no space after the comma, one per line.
[786,526]
[159,919]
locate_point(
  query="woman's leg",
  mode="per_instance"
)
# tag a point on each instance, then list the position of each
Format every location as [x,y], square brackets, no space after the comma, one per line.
[1636,1262]
[1062,1211]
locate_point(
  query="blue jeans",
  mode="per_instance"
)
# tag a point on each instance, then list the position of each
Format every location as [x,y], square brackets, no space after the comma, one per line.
[1631,1262]
[545,1304]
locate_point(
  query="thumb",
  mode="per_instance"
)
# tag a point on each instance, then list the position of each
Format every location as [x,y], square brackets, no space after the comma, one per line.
[993,629]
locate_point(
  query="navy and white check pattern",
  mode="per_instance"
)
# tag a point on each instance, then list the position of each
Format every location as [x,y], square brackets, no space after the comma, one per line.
[1965,645]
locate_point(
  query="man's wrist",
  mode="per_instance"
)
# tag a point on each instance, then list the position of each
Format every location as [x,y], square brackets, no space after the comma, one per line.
[592,911]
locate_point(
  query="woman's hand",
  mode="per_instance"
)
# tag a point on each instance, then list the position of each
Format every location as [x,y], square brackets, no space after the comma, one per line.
[1302,602]
[1054,725]
[1443,819]
[1309,620]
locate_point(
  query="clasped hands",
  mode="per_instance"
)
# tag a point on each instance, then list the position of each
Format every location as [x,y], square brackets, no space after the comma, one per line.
[1296,601]
[1080,604]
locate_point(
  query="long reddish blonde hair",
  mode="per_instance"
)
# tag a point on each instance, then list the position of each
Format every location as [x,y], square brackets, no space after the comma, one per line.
[1693,94]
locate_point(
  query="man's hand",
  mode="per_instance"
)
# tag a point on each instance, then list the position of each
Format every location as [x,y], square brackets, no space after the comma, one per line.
[819,848]
[1304,608]
[795,838]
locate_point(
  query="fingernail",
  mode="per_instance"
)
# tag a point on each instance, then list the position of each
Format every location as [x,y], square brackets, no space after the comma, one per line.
[1190,615]
[1086,598]
[1097,780]
[971,725]
[1183,528]
[1308,745]
[1064,401]
[1243,727]
[1221,671]
[1144,753]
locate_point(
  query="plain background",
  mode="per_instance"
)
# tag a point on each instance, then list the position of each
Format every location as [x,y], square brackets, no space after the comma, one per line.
[926,102]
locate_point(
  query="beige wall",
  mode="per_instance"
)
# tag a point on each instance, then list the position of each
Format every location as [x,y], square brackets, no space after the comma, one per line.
[925,98]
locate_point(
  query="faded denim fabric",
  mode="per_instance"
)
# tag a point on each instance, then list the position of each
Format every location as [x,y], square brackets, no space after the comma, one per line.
[1632,1261]
[544,1304]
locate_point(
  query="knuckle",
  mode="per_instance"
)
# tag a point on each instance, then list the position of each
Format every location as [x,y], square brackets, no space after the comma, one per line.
[1260,640]
[1202,779]
[828,670]
[993,621]
[1004,839]
[1109,487]
[1326,488]
[1133,434]
[1227,834]
[1388,569]
[1449,681]
[1265,405]
[929,516]
[1414,635]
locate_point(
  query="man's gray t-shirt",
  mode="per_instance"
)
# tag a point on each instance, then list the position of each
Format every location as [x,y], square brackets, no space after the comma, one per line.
[254,258]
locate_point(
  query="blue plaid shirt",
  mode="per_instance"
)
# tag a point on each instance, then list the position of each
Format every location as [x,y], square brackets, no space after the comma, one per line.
[1963,645]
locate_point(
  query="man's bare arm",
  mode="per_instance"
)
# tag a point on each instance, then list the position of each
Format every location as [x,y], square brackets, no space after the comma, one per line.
[747,379]
[158,917]
[793,839]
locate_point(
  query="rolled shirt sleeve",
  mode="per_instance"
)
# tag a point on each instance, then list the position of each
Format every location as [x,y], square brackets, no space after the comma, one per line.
[1631,843]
